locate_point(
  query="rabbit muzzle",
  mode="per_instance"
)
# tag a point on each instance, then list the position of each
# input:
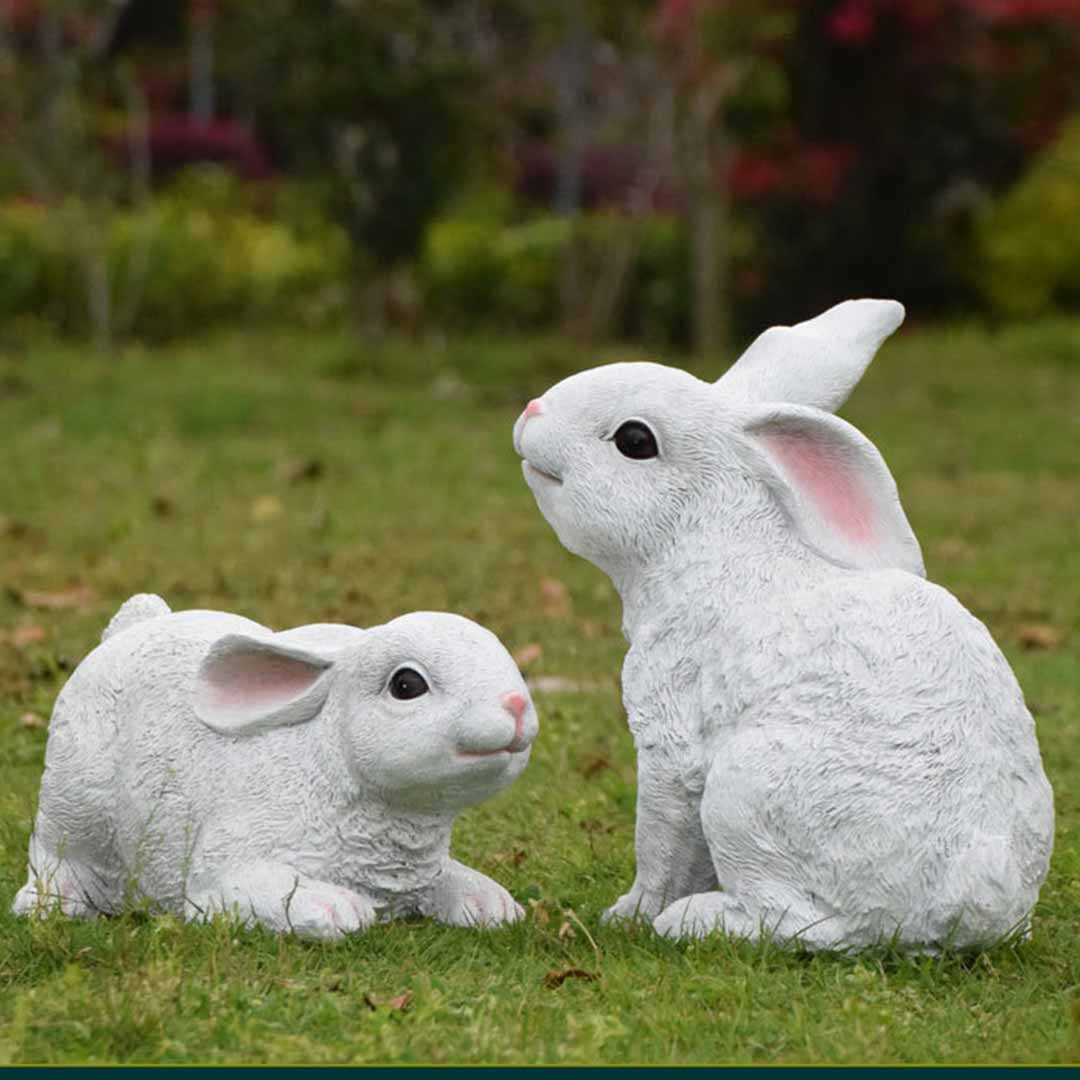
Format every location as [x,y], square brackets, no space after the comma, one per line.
[520,709]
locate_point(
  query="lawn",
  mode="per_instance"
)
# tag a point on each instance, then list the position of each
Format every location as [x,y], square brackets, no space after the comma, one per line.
[299,478]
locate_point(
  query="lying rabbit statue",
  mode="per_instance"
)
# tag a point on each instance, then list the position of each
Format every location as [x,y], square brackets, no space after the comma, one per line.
[835,742]
[307,779]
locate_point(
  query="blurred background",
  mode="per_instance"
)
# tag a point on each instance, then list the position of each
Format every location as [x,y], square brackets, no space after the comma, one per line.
[675,172]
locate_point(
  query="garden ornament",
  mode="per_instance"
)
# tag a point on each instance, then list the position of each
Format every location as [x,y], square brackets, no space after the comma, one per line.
[305,780]
[831,750]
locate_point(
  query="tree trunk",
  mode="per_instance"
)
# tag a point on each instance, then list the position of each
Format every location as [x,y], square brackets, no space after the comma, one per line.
[709,224]
[570,83]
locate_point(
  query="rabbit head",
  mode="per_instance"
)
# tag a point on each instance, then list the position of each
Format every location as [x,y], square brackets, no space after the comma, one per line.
[428,712]
[625,459]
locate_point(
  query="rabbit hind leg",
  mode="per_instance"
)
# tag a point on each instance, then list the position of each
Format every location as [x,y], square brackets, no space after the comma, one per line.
[701,914]
[762,851]
[68,886]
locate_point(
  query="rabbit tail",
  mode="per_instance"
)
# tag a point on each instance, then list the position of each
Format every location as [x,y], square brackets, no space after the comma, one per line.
[985,897]
[136,609]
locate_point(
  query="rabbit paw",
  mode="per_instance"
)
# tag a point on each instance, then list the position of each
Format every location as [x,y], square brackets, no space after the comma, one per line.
[637,905]
[284,901]
[327,912]
[465,897]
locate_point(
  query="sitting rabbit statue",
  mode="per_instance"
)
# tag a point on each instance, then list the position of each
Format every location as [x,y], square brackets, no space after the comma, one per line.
[307,780]
[829,738]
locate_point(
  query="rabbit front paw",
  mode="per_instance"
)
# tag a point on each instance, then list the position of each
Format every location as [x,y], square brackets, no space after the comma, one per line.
[638,904]
[465,897]
[327,912]
[282,900]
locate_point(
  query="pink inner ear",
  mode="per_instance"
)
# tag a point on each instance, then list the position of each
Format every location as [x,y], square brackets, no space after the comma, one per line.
[820,474]
[256,680]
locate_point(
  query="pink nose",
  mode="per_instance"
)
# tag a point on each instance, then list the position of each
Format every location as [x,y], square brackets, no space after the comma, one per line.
[515,704]
[532,409]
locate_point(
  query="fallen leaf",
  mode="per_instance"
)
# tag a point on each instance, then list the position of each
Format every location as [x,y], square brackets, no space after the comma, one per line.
[13,528]
[515,858]
[401,1002]
[78,596]
[595,767]
[297,471]
[266,507]
[25,635]
[33,722]
[528,654]
[591,825]
[555,978]
[566,932]
[554,598]
[541,915]
[1038,636]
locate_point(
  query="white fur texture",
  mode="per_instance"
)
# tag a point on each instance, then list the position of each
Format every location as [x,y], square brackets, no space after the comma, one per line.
[205,763]
[834,742]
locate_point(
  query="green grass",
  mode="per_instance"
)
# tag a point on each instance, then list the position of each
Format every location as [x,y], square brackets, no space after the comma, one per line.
[298,478]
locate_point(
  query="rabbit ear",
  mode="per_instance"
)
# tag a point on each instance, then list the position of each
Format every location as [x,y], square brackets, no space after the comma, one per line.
[817,362]
[246,685]
[835,487]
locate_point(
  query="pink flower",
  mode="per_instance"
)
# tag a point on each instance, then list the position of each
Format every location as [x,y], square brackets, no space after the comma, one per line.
[852,22]
[753,175]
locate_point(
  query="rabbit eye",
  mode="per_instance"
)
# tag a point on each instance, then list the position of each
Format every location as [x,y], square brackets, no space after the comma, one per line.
[406,684]
[635,440]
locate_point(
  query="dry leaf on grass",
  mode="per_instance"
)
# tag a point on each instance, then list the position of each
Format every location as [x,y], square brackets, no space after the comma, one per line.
[555,978]
[591,825]
[595,767]
[541,915]
[33,722]
[554,598]
[528,654]
[78,596]
[1038,636]
[297,470]
[566,932]
[266,507]
[399,1003]
[22,636]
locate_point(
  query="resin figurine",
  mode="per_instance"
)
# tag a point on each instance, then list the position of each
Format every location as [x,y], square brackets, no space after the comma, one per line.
[305,780]
[831,750]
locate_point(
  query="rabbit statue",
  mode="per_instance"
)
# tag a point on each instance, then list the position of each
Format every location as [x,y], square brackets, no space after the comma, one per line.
[306,780]
[831,750]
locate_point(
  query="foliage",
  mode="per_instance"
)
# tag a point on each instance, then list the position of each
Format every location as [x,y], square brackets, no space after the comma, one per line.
[489,273]
[194,255]
[361,94]
[279,474]
[1028,242]
[917,112]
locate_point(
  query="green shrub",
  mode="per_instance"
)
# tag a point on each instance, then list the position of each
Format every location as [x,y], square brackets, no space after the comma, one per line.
[1028,241]
[461,268]
[480,272]
[23,259]
[195,255]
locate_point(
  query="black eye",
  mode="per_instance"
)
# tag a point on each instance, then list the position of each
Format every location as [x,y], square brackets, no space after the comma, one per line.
[406,684]
[635,440]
